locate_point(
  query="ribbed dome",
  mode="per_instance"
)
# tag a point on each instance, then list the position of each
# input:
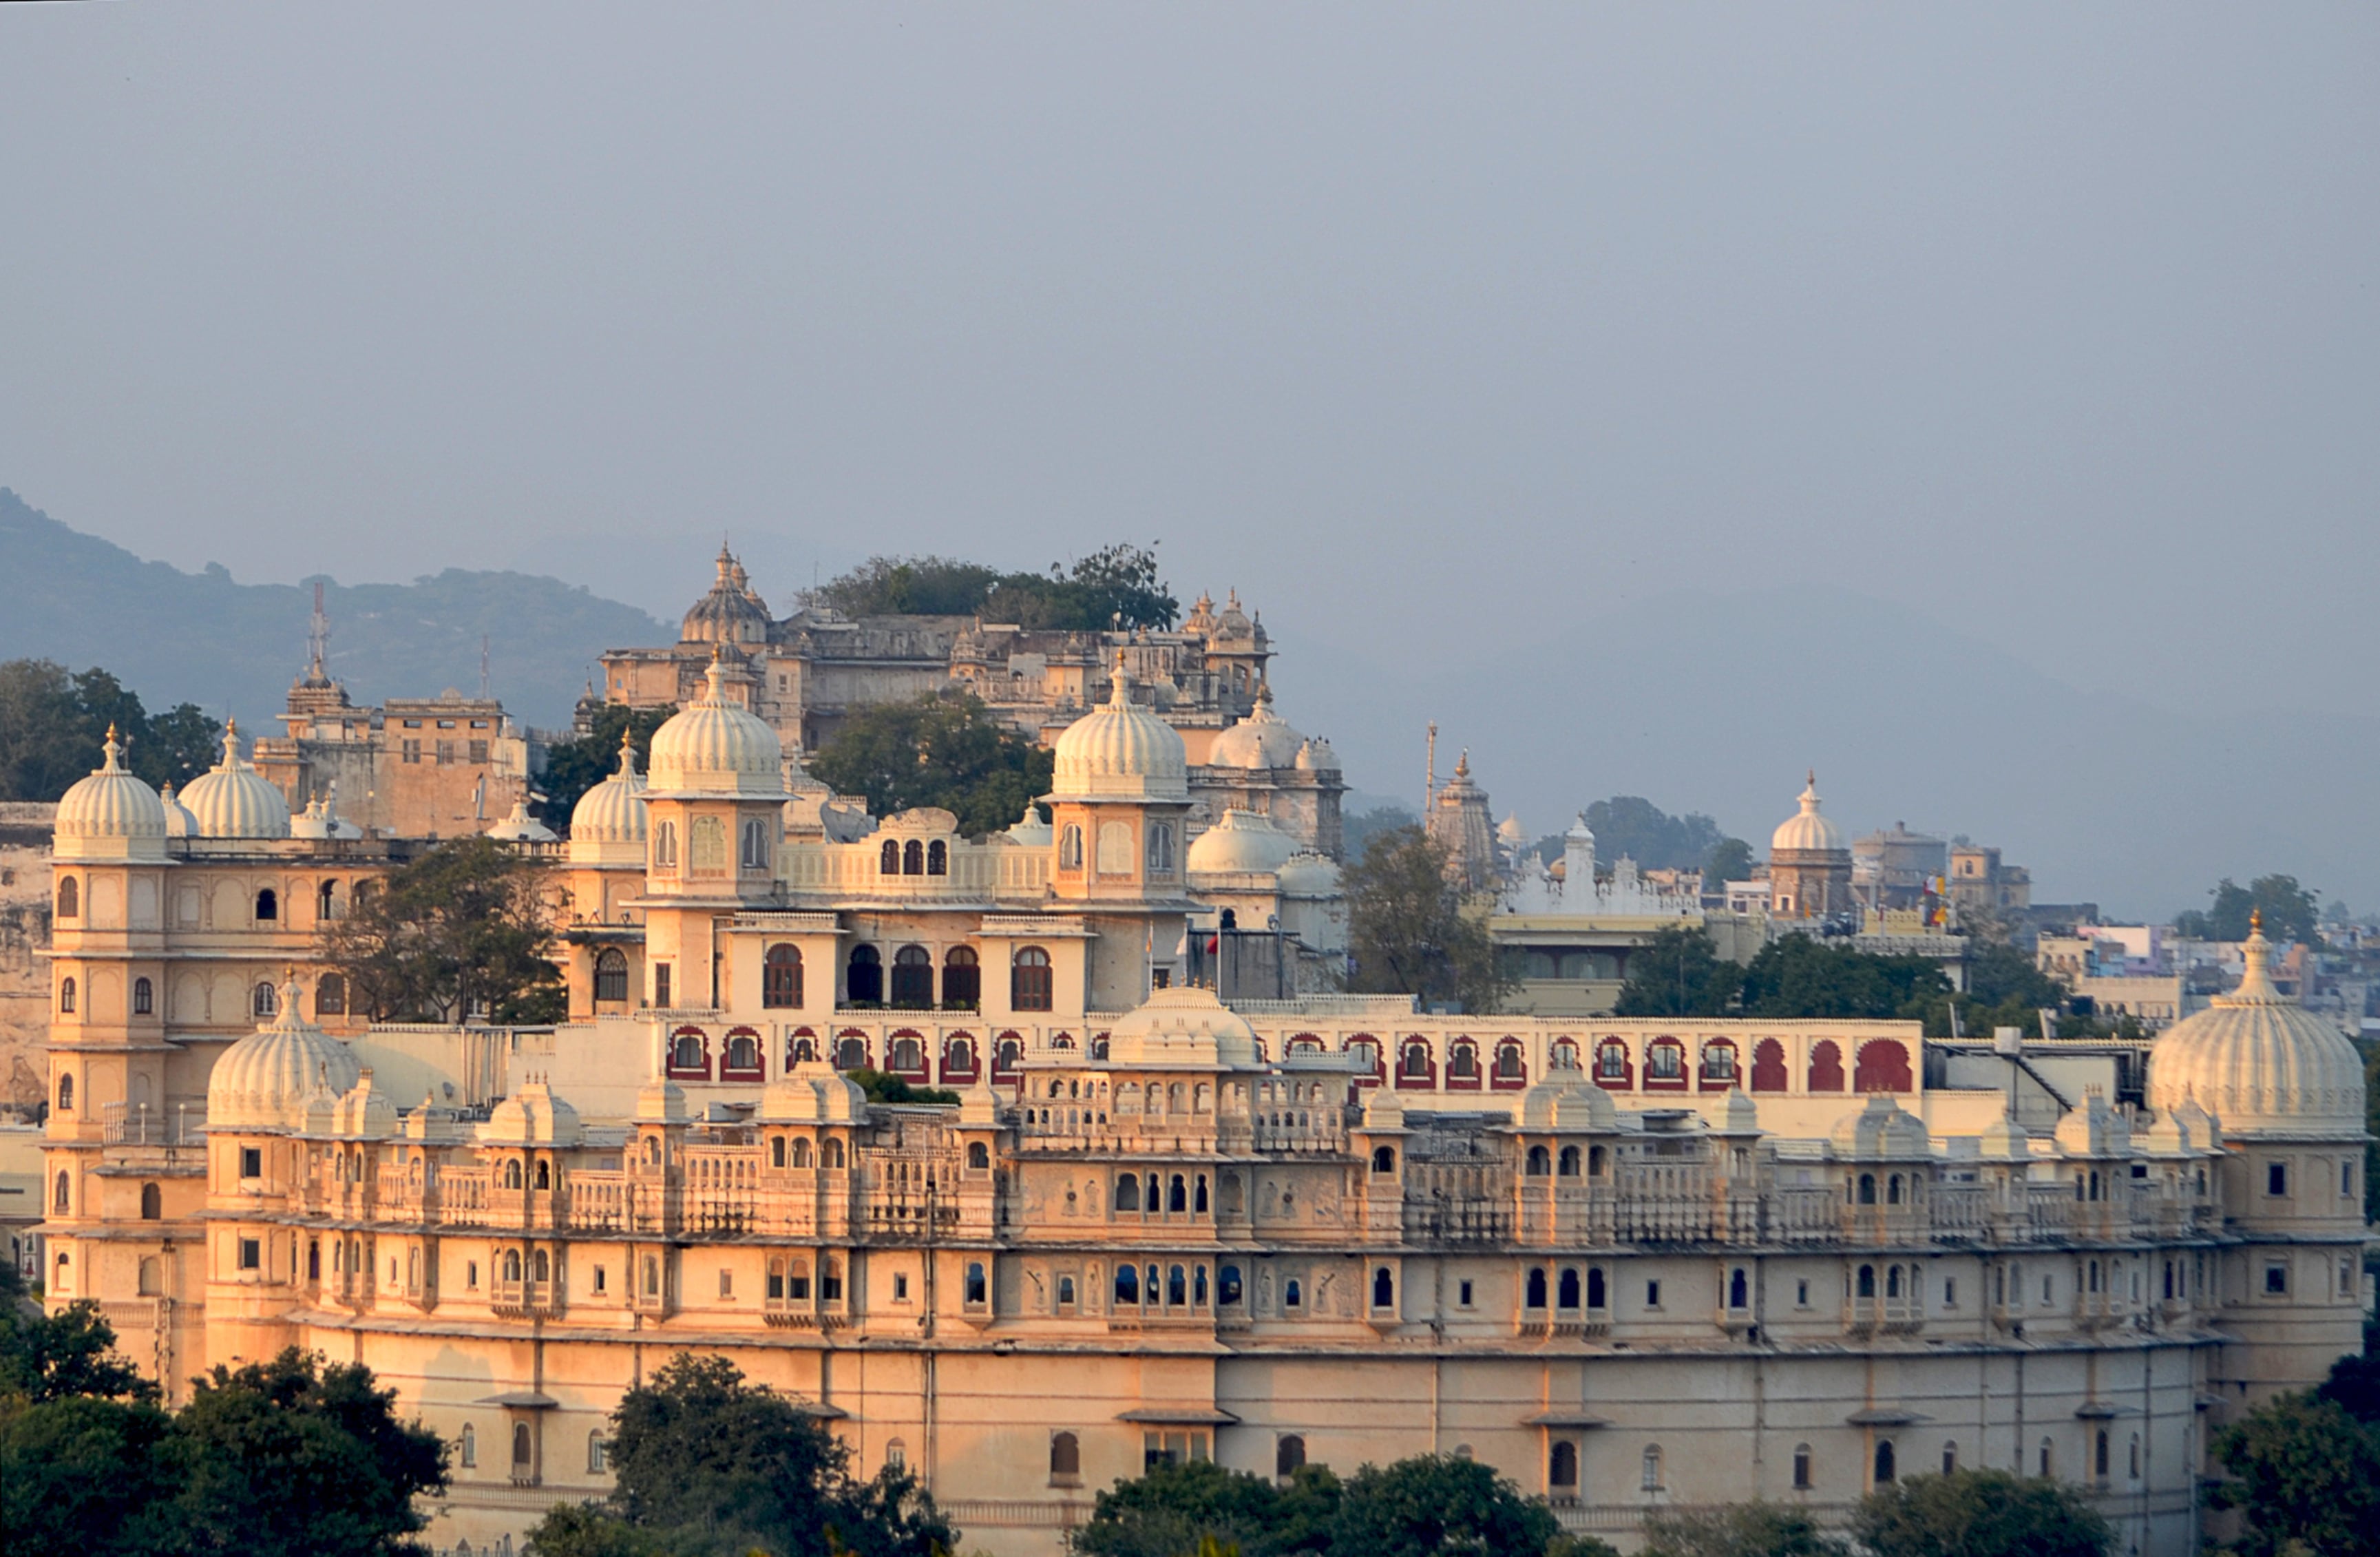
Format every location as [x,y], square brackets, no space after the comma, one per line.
[731,612]
[714,746]
[233,800]
[2260,1063]
[179,823]
[1261,740]
[266,1080]
[112,809]
[1807,832]
[1242,842]
[532,1116]
[1184,1026]
[1121,751]
[613,811]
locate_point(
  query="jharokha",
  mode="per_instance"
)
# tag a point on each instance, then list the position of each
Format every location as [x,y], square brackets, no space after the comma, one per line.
[1630,1264]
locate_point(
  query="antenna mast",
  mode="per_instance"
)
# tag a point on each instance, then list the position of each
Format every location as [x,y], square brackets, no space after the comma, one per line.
[318,637]
[1430,778]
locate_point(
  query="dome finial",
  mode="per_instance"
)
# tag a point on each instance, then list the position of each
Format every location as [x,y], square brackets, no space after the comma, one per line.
[113,749]
[1120,689]
[717,674]
[2256,956]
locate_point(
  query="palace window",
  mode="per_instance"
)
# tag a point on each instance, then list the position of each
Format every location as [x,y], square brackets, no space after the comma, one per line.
[66,996]
[69,897]
[268,905]
[756,845]
[1160,848]
[265,1000]
[913,978]
[1030,985]
[1070,847]
[864,978]
[962,980]
[330,996]
[612,975]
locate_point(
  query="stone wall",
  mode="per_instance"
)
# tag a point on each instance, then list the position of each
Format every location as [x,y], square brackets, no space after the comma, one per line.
[25,828]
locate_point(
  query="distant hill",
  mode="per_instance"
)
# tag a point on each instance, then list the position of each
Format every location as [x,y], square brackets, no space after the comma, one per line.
[234,648]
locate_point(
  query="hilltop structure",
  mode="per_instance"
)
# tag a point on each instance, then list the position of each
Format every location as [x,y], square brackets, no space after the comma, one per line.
[1632,1264]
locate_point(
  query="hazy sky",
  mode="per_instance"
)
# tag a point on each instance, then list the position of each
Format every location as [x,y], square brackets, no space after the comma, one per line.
[2055,322]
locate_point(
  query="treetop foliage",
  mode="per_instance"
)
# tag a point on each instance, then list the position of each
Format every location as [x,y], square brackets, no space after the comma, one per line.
[286,1458]
[1746,1529]
[1117,586]
[706,1464]
[1407,931]
[51,725]
[2289,910]
[1633,826]
[1979,1514]
[451,934]
[2305,1472]
[936,751]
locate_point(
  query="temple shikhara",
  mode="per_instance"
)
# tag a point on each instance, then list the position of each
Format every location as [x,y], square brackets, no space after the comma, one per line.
[1630,1263]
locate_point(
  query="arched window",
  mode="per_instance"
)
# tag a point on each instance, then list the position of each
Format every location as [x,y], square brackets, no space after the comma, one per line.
[744,1052]
[1160,848]
[865,979]
[1739,1290]
[1652,1467]
[1384,1159]
[978,1290]
[776,1151]
[1825,1066]
[1883,1068]
[1768,1066]
[1892,1190]
[62,1200]
[1884,1463]
[69,897]
[66,996]
[1228,1289]
[1802,1466]
[1867,1189]
[687,1056]
[905,1055]
[888,858]
[1463,1063]
[1127,1192]
[912,858]
[1566,1289]
[265,1002]
[962,980]
[1867,1286]
[513,1174]
[512,1256]
[331,995]
[326,901]
[797,1155]
[1561,1469]
[1566,1166]
[152,1203]
[1177,1196]
[1533,1295]
[268,905]
[1540,1161]
[851,1052]
[1718,1063]
[144,997]
[979,1156]
[755,852]
[1612,1063]
[665,846]
[612,975]
[1031,987]
[1288,1454]
[1413,1065]
[1892,1281]
[152,1280]
[913,978]
[1509,1063]
[1070,847]
[1665,1060]
[1596,1291]
[1066,1459]
[937,858]
[470,1447]
[1292,1293]
[1127,1283]
[520,1447]
[958,1058]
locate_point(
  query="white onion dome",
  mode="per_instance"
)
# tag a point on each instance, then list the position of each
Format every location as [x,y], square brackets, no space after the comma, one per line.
[1261,740]
[2261,1062]
[320,818]
[1184,1026]
[1509,832]
[1121,751]
[233,800]
[263,1081]
[519,827]
[179,823]
[112,811]
[1807,832]
[731,612]
[1030,832]
[1241,844]
[613,811]
[715,746]
[1309,874]
[1882,1129]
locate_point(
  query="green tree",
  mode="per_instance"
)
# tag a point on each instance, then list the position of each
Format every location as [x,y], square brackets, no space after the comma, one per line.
[1434,1505]
[2354,1381]
[1177,1508]
[590,1530]
[451,934]
[936,751]
[2289,911]
[2005,989]
[1357,830]
[705,1463]
[573,767]
[1801,976]
[1679,973]
[2306,1476]
[1115,587]
[1730,860]
[70,1352]
[1745,1529]
[882,1088]
[84,1476]
[1979,1514]
[907,587]
[296,1459]
[1407,931]
[52,726]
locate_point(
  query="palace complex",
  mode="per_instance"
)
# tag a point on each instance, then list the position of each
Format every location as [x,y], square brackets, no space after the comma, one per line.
[1632,1263]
